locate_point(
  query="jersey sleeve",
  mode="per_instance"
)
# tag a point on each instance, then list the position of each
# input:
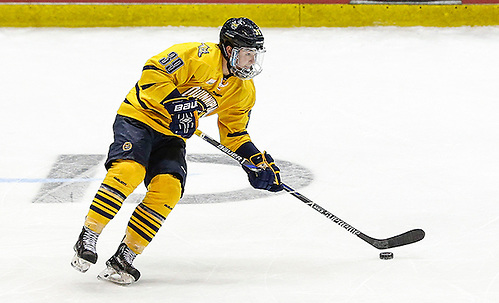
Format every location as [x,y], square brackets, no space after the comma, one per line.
[232,123]
[161,77]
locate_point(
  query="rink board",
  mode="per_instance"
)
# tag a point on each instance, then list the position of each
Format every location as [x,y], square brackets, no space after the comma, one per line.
[266,15]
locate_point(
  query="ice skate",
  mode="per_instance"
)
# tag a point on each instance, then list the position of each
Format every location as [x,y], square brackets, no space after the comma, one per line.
[85,248]
[119,267]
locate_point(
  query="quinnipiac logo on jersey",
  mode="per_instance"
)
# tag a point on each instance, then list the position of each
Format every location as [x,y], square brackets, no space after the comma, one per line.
[206,101]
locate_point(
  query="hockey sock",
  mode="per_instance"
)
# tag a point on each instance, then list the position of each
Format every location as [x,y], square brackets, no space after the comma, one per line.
[120,181]
[162,195]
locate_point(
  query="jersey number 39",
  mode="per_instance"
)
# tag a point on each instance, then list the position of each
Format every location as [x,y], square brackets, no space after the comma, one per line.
[171,63]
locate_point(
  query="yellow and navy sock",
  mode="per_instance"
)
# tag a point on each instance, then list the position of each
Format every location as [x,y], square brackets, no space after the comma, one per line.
[120,181]
[163,194]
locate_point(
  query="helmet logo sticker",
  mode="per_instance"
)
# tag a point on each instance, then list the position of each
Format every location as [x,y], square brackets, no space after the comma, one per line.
[234,25]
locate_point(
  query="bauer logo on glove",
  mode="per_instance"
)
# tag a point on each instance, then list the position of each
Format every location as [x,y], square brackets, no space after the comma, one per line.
[187,106]
[183,112]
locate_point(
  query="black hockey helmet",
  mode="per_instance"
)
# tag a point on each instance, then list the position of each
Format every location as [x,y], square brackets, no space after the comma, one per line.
[241,33]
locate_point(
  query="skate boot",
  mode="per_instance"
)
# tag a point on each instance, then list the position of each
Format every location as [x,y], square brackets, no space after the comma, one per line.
[86,253]
[119,267]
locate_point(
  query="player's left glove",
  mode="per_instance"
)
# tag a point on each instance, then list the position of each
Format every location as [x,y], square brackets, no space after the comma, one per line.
[184,114]
[268,176]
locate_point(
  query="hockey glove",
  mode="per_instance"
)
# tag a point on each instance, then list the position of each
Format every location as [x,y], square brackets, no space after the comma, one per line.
[268,176]
[183,111]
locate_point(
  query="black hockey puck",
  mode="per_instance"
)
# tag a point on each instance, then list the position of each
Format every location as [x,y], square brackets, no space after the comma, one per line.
[386,255]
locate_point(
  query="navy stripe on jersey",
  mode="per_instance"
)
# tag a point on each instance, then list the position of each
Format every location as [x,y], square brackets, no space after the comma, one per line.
[137,92]
[237,134]
[146,86]
[151,67]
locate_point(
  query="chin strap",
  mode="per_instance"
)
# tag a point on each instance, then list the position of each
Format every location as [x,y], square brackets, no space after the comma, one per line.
[229,69]
[227,59]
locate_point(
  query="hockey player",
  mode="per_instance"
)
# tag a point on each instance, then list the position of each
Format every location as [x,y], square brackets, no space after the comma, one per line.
[177,87]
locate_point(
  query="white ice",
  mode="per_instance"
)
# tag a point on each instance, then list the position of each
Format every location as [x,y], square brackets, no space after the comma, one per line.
[400,127]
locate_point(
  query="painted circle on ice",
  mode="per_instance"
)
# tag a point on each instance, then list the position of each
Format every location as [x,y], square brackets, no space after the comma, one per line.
[212,178]
[217,185]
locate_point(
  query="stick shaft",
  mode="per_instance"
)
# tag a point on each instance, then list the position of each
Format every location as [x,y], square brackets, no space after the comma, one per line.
[287,188]
[399,240]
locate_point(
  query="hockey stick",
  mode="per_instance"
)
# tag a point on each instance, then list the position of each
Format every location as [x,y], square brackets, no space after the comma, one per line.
[409,237]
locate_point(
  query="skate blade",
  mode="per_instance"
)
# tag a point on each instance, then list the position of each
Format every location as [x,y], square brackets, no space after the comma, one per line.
[80,264]
[111,275]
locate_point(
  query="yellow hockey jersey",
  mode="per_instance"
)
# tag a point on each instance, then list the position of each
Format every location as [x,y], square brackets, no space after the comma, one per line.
[195,69]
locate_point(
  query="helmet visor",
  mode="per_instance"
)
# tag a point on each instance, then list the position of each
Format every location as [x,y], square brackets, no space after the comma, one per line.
[246,62]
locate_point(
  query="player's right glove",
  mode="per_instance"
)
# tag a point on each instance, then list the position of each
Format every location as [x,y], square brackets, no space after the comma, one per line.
[184,114]
[268,176]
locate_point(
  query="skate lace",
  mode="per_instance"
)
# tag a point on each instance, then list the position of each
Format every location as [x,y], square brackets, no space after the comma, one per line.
[90,239]
[128,255]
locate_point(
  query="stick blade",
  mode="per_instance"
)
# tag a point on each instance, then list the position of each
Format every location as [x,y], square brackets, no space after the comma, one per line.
[409,237]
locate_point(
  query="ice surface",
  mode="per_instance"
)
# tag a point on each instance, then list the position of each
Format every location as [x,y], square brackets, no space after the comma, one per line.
[398,126]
